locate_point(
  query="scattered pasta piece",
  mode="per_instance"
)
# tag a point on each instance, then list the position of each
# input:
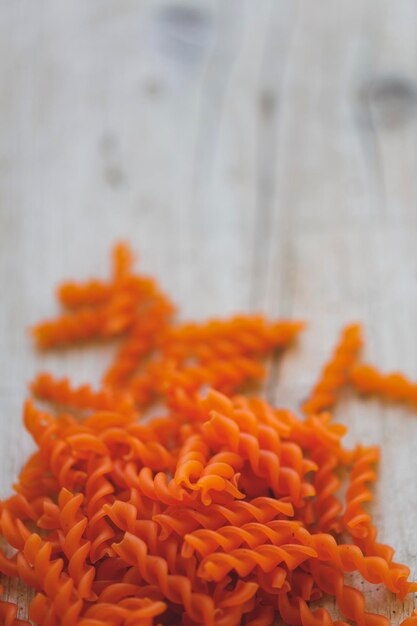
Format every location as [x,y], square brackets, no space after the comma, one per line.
[220,511]
[336,372]
[394,387]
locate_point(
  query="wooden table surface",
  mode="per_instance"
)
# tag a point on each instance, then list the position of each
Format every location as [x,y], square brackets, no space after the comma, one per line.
[258,155]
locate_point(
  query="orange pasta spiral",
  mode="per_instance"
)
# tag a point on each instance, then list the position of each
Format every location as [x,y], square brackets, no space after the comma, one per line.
[394,387]
[61,392]
[336,372]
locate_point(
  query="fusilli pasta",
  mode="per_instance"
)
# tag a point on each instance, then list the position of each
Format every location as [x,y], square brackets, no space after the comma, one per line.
[219,511]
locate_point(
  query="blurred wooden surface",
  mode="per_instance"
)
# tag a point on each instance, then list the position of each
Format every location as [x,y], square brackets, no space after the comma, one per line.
[259,155]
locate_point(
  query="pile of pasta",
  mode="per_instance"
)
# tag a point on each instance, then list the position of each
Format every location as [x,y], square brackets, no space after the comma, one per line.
[174,494]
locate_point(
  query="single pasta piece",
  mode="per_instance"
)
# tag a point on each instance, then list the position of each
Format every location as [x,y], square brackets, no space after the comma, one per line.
[394,387]
[60,392]
[336,372]
[355,519]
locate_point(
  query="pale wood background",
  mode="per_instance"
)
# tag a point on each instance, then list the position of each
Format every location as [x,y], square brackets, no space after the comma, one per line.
[259,155]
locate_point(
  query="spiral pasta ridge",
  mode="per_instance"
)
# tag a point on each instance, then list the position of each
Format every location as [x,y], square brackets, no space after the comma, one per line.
[154,570]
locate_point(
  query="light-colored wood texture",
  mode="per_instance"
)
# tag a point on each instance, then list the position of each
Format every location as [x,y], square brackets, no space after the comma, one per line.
[259,155]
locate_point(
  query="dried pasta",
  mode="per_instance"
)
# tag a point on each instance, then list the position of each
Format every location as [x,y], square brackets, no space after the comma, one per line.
[336,372]
[220,509]
[394,386]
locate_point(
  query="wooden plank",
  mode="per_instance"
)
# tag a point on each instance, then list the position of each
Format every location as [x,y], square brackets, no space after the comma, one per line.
[352,264]
[346,204]
[258,155]
[132,153]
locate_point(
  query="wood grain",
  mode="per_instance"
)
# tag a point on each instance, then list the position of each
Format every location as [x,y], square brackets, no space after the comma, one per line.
[260,156]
